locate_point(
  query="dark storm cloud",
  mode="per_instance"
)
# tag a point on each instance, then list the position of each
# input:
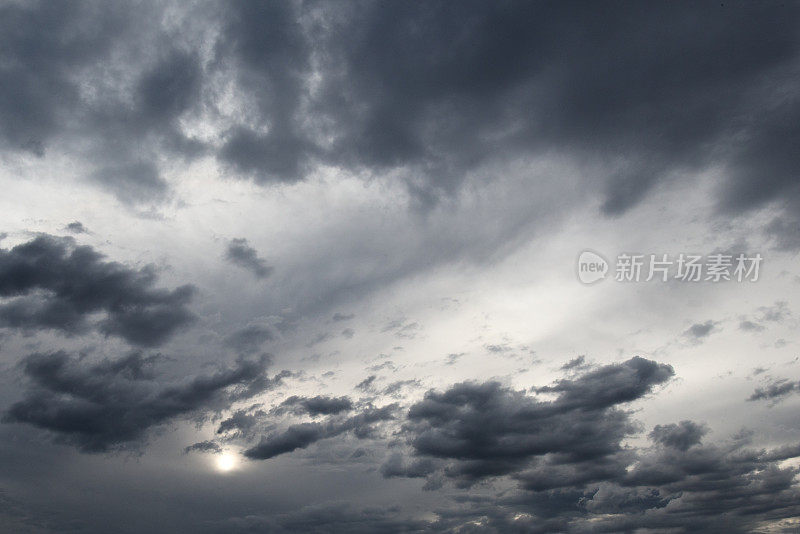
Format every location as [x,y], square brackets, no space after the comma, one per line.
[300,436]
[52,283]
[433,89]
[775,391]
[114,403]
[441,87]
[240,253]
[477,431]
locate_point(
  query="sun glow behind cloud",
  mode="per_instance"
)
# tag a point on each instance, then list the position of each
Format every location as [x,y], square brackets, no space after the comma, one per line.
[226,462]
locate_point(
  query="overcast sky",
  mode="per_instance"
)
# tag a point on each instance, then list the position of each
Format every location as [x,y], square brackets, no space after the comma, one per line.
[314,267]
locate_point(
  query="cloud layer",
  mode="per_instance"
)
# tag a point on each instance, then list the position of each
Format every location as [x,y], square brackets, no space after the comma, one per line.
[52,283]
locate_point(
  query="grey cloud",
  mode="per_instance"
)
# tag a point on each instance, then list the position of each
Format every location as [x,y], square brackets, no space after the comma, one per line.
[785,229]
[379,367]
[170,87]
[699,331]
[269,48]
[203,446]
[750,326]
[76,227]
[38,52]
[396,387]
[241,422]
[775,313]
[113,404]
[575,363]
[320,338]
[611,384]
[775,391]
[680,436]
[51,283]
[368,384]
[132,181]
[240,253]
[453,358]
[396,466]
[338,316]
[300,436]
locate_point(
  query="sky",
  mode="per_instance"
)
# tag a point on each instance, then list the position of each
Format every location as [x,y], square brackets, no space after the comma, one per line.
[342,267]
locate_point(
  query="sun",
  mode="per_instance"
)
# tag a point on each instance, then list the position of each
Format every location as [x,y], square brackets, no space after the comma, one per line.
[226,462]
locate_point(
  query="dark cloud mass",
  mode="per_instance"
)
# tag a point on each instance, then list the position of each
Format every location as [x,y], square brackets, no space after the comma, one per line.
[433,89]
[52,283]
[113,403]
[573,470]
[476,431]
